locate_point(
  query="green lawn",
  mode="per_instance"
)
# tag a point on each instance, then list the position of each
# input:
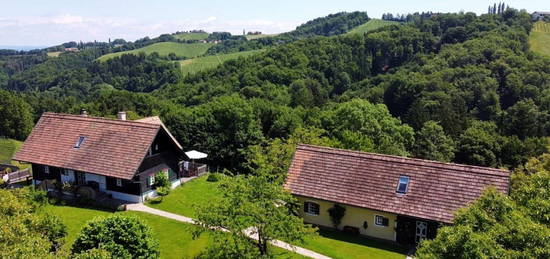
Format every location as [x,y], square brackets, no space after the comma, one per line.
[175,238]
[164,48]
[184,199]
[191,66]
[372,24]
[539,39]
[337,244]
[8,147]
[191,36]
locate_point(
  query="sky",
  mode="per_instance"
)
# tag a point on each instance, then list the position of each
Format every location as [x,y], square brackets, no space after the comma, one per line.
[51,22]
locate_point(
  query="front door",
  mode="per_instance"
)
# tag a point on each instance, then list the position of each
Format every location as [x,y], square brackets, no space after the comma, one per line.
[80,178]
[421,231]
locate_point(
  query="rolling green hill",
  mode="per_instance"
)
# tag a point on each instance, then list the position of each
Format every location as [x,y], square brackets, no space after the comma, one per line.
[165,48]
[371,25]
[191,36]
[539,39]
[192,66]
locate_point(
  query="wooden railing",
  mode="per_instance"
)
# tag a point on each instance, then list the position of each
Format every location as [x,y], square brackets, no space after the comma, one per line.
[19,176]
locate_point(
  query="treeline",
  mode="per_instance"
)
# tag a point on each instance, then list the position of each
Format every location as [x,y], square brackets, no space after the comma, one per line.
[449,87]
[334,24]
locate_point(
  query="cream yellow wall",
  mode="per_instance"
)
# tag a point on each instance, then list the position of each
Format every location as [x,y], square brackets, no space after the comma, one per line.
[354,217]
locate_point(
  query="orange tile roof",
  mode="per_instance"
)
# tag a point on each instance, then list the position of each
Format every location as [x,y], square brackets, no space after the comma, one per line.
[112,147]
[435,191]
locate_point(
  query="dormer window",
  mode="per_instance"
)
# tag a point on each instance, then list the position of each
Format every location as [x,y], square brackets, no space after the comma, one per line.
[402,184]
[79,142]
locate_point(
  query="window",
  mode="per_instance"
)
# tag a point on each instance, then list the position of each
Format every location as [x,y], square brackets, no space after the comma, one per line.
[46,169]
[119,182]
[311,208]
[157,147]
[402,184]
[150,152]
[79,142]
[151,180]
[381,221]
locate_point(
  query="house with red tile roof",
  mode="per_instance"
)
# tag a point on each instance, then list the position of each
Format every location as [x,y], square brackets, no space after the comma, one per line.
[117,157]
[387,197]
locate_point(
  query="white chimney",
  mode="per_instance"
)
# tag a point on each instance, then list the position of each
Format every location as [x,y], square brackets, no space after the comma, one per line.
[121,116]
[83,113]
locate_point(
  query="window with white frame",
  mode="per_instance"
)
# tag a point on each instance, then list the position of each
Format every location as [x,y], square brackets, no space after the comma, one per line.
[311,208]
[381,221]
[46,169]
[151,180]
[119,182]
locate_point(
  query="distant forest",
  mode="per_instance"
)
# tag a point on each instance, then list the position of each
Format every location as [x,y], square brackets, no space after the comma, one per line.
[450,87]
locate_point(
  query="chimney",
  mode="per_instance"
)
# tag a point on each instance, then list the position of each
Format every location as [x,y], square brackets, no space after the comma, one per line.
[83,113]
[121,116]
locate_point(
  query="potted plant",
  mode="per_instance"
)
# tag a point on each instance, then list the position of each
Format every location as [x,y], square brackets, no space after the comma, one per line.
[68,189]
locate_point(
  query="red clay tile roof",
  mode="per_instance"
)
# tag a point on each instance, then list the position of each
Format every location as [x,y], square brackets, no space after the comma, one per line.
[435,191]
[112,147]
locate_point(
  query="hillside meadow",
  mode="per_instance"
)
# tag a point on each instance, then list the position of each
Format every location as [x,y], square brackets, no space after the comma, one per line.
[371,25]
[191,66]
[164,48]
[539,39]
[191,36]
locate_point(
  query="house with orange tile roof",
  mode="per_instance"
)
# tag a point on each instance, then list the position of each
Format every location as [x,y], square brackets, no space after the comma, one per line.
[387,197]
[117,157]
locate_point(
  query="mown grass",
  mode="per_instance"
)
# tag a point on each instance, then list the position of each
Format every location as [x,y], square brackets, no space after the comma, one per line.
[185,199]
[54,54]
[164,48]
[539,39]
[191,66]
[259,36]
[8,147]
[191,36]
[199,192]
[175,238]
[371,25]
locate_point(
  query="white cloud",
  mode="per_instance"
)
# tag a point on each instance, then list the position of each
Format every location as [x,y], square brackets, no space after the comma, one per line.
[52,30]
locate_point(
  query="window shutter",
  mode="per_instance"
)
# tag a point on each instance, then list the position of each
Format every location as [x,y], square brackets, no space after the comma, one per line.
[385,222]
[306,206]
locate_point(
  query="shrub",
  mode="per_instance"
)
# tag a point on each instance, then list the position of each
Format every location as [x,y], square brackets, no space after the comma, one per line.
[163,191]
[155,200]
[336,214]
[161,180]
[213,177]
[122,236]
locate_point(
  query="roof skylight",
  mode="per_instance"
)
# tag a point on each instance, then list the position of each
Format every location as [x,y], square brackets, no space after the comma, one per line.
[79,142]
[402,184]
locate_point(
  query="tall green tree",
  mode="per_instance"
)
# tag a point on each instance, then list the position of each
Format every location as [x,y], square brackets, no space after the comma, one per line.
[15,116]
[360,125]
[479,145]
[250,205]
[432,143]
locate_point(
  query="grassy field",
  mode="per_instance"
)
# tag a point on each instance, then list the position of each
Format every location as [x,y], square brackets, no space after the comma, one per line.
[8,147]
[539,39]
[54,54]
[335,244]
[254,37]
[175,238]
[191,36]
[164,48]
[183,200]
[191,66]
[372,24]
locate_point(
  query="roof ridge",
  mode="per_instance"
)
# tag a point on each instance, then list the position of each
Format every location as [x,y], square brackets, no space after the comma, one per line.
[100,119]
[415,161]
